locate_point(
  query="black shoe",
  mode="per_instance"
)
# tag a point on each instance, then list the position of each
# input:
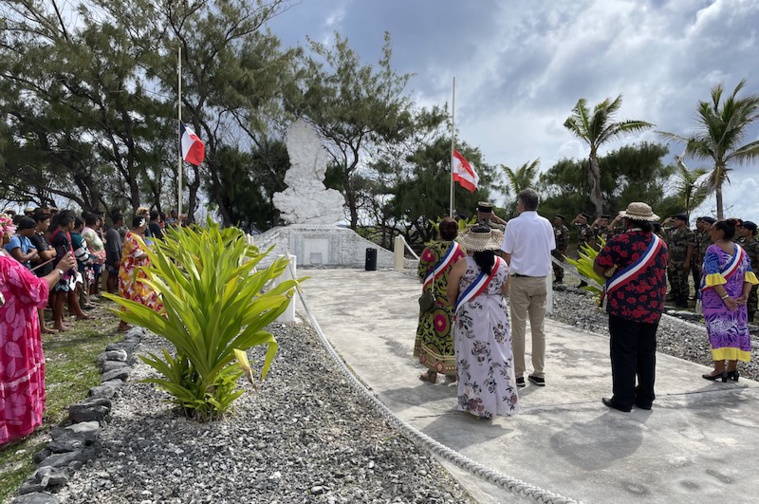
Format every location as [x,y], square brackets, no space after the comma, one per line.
[643,406]
[722,376]
[537,380]
[609,403]
[520,382]
[733,375]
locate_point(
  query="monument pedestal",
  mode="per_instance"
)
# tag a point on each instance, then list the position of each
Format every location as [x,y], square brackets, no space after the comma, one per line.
[320,245]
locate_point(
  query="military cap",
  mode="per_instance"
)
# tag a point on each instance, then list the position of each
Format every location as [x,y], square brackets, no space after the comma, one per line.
[710,220]
[586,215]
[749,225]
[485,207]
[606,216]
[680,216]
[559,216]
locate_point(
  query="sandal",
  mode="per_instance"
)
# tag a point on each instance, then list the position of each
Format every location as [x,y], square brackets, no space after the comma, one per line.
[429,377]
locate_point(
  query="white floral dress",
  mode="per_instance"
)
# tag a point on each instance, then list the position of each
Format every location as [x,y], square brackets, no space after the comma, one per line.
[482,339]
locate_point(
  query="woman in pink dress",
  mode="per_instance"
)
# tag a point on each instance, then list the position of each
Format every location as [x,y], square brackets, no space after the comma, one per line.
[22,364]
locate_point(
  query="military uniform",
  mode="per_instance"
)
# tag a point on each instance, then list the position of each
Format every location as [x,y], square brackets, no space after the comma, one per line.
[602,233]
[678,241]
[751,246]
[584,235]
[561,233]
[702,242]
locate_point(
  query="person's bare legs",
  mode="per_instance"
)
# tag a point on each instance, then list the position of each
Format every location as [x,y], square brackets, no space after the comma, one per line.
[58,306]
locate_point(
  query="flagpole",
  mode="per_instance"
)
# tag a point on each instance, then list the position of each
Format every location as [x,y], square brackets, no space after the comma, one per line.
[179,130]
[453,139]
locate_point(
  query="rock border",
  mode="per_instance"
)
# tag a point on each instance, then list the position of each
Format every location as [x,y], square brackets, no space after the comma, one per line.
[77,443]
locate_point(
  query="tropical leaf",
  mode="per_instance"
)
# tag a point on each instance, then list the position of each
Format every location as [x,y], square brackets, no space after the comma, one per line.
[216,304]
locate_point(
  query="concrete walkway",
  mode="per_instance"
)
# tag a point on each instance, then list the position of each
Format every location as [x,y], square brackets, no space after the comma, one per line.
[698,444]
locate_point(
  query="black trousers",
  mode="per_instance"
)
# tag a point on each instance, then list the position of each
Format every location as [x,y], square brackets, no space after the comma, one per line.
[633,354]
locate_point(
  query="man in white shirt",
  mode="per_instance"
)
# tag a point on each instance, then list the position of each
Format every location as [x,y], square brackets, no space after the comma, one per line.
[527,244]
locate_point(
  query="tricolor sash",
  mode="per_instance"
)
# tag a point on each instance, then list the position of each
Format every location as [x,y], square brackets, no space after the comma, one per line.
[728,269]
[627,274]
[479,285]
[441,265]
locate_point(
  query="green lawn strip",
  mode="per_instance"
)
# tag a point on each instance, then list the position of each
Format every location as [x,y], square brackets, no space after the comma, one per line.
[70,370]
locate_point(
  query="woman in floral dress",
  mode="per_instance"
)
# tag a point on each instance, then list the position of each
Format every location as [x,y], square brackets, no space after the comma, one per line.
[482,336]
[130,272]
[726,282]
[22,363]
[434,340]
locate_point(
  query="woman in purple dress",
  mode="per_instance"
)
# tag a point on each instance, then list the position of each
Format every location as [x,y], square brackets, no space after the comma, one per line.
[726,281]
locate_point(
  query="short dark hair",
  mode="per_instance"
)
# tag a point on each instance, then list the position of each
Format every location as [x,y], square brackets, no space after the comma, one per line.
[529,198]
[727,227]
[449,229]
[154,214]
[138,220]
[90,218]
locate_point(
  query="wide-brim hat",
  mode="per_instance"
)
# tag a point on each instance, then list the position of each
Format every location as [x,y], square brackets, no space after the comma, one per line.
[480,238]
[637,210]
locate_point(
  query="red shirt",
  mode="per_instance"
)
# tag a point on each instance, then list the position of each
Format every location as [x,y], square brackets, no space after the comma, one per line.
[642,298]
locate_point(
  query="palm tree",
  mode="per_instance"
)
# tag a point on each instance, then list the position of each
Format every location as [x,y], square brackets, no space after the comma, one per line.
[517,180]
[689,194]
[722,124]
[597,129]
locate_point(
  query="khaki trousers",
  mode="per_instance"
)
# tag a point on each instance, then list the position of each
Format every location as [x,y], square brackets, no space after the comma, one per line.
[527,297]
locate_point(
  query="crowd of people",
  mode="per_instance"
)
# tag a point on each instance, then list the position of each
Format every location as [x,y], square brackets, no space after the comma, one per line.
[489,279]
[59,260]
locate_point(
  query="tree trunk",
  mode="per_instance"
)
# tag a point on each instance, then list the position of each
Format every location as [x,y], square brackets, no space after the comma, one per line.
[718,194]
[595,182]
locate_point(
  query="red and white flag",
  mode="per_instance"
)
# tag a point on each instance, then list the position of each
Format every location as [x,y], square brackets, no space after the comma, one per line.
[193,149]
[464,173]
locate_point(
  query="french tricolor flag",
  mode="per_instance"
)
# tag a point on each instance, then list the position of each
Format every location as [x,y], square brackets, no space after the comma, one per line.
[193,149]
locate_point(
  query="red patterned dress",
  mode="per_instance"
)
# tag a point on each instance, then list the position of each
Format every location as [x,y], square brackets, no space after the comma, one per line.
[22,364]
[130,273]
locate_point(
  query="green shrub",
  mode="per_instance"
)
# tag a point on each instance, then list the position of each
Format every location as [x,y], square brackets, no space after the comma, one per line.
[584,264]
[214,302]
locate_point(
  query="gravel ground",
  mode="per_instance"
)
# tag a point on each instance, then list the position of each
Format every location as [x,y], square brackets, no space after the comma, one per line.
[306,436]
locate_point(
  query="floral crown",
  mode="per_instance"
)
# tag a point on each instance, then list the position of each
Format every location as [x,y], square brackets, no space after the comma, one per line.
[6,226]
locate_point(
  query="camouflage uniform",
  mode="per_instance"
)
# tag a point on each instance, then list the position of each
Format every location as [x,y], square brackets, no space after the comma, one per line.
[562,241]
[602,232]
[702,241]
[751,246]
[678,241]
[584,235]
[491,224]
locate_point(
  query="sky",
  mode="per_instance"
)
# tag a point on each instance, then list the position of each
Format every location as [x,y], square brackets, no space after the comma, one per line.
[520,66]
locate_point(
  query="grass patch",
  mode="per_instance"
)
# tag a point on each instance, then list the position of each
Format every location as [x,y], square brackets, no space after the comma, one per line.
[70,370]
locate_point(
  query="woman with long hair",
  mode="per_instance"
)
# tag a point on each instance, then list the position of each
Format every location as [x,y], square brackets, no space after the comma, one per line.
[482,335]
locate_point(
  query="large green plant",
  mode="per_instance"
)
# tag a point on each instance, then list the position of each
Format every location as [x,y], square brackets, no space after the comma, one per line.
[214,302]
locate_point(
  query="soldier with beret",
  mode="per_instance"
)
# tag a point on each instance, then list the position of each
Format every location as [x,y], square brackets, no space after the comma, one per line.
[751,246]
[584,235]
[486,216]
[561,233]
[702,240]
[601,230]
[681,242]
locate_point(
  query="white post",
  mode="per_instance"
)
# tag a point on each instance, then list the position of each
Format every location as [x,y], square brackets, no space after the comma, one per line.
[179,130]
[453,140]
[289,314]
[399,249]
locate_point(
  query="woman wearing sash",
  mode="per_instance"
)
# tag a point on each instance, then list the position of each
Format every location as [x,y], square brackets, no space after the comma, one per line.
[726,282]
[434,344]
[482,336]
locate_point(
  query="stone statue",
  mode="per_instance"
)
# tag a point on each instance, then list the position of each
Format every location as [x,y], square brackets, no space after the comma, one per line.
[306,200]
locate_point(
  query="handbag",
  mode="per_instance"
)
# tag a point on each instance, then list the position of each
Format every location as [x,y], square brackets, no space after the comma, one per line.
[427,301]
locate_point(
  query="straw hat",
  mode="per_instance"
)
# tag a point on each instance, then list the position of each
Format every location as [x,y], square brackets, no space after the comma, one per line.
[479,238]
[637,210]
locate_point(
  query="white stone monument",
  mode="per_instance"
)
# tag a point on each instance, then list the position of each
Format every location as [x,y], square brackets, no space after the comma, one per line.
[306,200]
[312,212]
